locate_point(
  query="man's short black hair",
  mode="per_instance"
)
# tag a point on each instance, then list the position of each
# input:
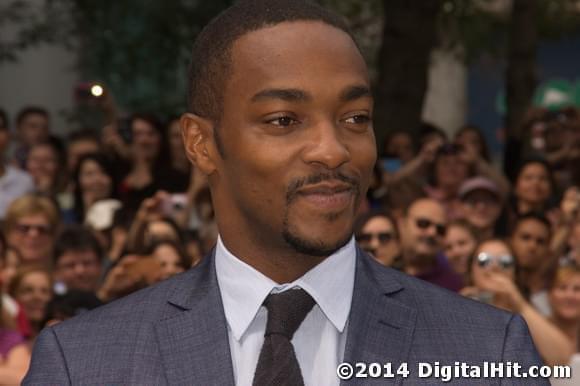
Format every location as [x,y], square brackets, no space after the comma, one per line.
[76,238]
[211,54]
[30,110]
[536,216]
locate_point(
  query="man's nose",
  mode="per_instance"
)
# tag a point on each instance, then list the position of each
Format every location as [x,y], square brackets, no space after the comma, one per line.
[327,148]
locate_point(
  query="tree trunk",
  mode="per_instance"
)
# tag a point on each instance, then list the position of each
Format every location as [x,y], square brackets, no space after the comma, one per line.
[409,34]
[520,76]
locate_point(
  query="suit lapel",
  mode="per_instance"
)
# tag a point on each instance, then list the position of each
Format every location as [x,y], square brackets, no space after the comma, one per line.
[380,326]
[193,336]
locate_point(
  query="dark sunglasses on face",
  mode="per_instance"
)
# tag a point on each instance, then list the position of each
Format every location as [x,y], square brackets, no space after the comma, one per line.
[504,261]
[26,229]
[383,237]
[425,223]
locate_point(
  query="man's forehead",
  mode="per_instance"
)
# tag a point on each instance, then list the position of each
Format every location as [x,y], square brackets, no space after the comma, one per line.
[305,39]
[428,209]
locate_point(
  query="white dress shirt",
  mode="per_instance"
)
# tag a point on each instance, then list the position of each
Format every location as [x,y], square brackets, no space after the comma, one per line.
[320,340]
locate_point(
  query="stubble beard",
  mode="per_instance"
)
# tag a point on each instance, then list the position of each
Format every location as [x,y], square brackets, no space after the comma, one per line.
[312,247]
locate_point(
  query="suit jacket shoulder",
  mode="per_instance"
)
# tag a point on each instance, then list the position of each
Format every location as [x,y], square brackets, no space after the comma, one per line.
[398,319]
[172,333]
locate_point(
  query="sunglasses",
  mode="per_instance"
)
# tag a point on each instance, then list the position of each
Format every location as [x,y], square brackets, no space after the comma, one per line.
[24,229]
[383,237]
[424,223]
[484,260]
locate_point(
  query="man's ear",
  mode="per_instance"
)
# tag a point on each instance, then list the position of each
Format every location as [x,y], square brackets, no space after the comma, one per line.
[197,133]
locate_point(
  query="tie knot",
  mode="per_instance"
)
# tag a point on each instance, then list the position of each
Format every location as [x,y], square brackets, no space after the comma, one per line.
[286,311]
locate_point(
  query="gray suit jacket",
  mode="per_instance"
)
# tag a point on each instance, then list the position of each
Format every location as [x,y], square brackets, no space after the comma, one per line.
[175,333]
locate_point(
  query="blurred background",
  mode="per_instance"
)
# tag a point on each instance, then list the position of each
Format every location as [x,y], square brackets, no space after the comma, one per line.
[474,62]
[476,189]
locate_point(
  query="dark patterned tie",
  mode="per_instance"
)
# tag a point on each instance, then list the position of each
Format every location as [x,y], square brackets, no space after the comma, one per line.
[277,364]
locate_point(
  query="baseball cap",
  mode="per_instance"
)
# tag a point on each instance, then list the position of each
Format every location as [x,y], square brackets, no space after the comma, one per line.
[479,183]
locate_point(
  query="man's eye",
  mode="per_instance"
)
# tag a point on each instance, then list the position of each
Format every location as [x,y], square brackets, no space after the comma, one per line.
[283,121]
[358,119]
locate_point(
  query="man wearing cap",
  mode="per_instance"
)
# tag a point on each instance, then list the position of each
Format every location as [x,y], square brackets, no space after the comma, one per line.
[481,204]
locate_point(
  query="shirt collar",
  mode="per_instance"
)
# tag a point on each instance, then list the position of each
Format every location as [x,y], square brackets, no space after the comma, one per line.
[244,289]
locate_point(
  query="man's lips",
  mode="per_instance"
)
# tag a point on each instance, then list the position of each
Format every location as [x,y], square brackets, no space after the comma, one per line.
[326,189]
[328,196]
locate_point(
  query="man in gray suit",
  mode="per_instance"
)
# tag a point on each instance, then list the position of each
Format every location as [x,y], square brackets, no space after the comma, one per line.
[280,121]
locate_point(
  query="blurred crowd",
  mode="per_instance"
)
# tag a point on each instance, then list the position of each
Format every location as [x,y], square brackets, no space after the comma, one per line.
[96,215]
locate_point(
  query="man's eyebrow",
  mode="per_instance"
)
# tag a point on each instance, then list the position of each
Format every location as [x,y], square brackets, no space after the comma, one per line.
[355,92]
[285,94]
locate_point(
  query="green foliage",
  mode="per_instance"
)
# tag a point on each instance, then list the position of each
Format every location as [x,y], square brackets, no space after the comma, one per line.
[365,19]
[140,49]
[478,28]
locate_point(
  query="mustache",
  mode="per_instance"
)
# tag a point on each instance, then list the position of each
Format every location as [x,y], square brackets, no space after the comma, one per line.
[297,184]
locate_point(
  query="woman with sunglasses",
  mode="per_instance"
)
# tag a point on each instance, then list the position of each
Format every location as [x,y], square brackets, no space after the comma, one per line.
[493,281]
[30,227]
[377,234]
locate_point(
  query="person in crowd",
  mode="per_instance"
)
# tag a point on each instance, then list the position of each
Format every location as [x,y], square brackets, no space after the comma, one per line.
[46,164]
[171,256]
[566,239]
[530,241]
[77,259]
[30,226]
[573,254]
[150,168]
[68,305]
[130,273]
[14,353]
[493,281]
[461,239]
[179,161]
[481,205]
[471,136]
[32,127]
[11,313]
[80,143]
[8,265]
[447,173]
[94,180]
[400,145]
[533,188]
[561,137]
[193,246]
[564,297]
[13,181]
[152,222]
[32,289]
[376,232]
[422,233]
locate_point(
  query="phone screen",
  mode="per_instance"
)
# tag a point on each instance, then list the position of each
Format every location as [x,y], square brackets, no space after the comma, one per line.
[391,165]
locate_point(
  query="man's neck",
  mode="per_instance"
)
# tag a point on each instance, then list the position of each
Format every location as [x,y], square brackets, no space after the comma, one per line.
[282,266]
